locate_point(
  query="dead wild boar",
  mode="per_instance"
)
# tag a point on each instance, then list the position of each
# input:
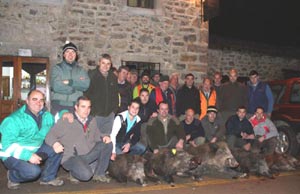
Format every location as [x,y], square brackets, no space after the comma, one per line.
[167,163]
[282,162]
[252,162]
[128,167]
[216,160]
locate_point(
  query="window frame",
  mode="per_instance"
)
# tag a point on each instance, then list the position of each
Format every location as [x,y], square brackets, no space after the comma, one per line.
[150,4]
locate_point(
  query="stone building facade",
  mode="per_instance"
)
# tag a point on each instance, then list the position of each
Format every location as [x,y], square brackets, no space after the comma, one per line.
[172,34]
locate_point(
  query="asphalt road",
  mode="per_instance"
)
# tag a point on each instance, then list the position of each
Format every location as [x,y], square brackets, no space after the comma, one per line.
[285,183]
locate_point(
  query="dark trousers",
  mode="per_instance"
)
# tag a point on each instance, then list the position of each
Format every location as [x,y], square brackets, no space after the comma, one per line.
[83,167]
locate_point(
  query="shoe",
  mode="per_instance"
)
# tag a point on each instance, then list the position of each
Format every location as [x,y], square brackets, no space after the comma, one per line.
[10,184]
[55,182]
[73,180]
[101,178]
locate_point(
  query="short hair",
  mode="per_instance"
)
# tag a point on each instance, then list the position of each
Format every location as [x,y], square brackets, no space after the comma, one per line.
[189,74]
[253,72]
[188,109]
[260,107]
[123,67]
[35,90]
[241,107]
[105,56]
[136,100]
[81,98]
[207,78]
[144,90]
[133,71]
[162,102]
[218,73]
[233,70]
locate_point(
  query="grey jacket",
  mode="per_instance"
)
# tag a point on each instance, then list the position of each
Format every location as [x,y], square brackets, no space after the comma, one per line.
[215,129]
[73,137]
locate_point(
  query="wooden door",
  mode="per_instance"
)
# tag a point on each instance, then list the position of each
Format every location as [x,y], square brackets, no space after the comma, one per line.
[19,75]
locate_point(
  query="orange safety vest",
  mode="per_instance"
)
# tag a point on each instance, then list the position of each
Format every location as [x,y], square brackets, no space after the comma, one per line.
[204,102]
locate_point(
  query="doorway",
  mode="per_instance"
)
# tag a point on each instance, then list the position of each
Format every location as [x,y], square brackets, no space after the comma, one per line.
[19,75]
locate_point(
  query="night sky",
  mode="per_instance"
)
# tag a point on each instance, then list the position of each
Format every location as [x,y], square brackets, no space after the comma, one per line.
[274,22]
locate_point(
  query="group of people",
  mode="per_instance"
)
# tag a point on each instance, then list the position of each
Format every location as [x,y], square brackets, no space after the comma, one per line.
[98,114]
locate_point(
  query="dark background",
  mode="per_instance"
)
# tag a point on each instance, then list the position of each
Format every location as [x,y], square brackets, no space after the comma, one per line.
[272,22]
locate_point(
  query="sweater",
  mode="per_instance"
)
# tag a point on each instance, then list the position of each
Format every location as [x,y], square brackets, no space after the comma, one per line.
[263,127]
[187,98]
[232,95]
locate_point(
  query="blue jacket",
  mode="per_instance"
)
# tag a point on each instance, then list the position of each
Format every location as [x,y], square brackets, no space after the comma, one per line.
[260,95]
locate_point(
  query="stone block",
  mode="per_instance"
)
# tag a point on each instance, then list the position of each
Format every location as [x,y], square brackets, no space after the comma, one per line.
[188,58]
[180,66]
[190,38]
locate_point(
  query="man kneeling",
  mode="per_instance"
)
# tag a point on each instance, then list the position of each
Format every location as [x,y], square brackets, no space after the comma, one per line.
[86,149]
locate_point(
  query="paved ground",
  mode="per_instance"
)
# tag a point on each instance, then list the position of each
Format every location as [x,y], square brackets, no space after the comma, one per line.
[286,183]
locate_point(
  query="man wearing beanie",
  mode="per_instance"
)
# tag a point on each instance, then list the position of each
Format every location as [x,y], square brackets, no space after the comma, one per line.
[213,124]
[68,80]
[145,83]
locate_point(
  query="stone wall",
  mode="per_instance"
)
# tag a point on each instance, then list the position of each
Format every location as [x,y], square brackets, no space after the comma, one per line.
[269,67]
[171,34]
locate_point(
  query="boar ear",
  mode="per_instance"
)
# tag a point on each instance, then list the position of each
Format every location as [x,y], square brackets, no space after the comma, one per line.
[213,147]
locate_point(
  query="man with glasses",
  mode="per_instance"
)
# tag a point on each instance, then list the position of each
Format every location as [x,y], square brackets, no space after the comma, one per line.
[259,94]
[23,147]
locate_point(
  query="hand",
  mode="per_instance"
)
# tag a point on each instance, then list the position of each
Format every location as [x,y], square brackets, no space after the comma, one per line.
[68,116]
[247,147]
[82,78]
[187,137]
[154,115]
[261,139]
[113,156]
[179,144]
[126,148]
[155,151]
[66,82]
[35,159]
[193,144]
[213,140]
[106,139]
[58,147]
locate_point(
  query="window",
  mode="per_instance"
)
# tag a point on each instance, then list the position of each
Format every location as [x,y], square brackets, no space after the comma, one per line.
[278,91]
[149,4]
[295,93]
[142,66]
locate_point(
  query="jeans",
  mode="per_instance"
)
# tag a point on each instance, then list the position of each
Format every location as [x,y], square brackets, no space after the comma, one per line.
[23,171]
[136,149]
[105,124]
[83,167]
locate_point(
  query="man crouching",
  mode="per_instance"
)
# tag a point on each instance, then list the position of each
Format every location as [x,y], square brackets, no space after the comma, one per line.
[86,150]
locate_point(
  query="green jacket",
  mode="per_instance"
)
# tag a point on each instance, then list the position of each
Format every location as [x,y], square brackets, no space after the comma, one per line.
[21,136]
[67,94]
[156,134]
